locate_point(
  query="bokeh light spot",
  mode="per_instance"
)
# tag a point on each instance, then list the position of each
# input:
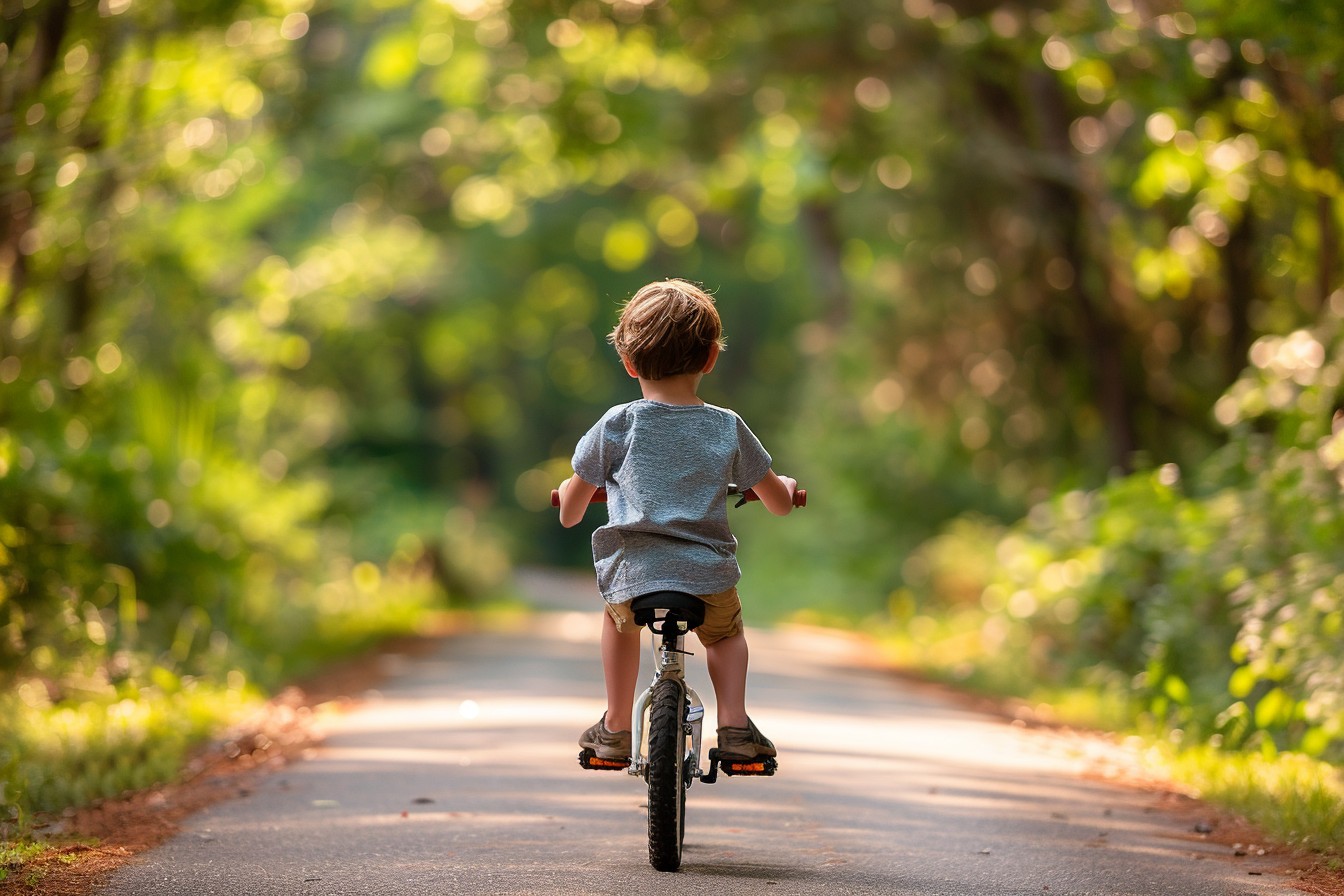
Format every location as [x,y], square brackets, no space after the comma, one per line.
[626,245]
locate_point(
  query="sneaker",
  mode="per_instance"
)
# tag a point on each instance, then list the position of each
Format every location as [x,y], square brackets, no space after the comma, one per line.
[744,743]
[606,744]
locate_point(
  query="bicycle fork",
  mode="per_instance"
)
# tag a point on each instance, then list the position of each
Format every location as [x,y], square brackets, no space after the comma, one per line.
[668,666]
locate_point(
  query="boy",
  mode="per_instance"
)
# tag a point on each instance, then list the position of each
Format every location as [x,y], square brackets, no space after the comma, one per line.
[666,462]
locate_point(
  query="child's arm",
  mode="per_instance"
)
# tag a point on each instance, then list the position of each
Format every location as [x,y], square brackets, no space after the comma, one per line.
[775,492]
[574,497]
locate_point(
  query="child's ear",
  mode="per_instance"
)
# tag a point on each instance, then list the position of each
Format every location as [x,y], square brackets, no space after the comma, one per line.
[629,367]
[713,358]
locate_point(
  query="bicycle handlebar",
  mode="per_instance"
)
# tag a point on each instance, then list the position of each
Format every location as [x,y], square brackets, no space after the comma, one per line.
[600,496]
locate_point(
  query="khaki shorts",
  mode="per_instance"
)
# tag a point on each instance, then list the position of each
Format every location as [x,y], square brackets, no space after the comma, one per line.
[723,616]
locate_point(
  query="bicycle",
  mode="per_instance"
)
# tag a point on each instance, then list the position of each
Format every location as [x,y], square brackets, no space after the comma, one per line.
[670,714]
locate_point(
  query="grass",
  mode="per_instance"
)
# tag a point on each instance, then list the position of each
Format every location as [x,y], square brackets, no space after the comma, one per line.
[101,745]
[104,740]
[1297,800]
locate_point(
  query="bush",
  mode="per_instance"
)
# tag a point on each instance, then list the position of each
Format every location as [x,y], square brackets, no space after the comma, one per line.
[1210,604]
[155,581]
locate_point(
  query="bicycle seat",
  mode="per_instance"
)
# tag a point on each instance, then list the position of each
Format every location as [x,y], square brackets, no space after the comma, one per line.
[680,607]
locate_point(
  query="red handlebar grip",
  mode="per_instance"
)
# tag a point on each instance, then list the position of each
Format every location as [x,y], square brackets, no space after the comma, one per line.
[599,497]
[799,496]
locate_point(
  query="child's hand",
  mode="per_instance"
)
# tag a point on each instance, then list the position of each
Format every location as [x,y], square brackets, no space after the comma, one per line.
[574,497]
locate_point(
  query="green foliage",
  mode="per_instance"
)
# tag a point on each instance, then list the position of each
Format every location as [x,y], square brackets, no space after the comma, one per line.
[14,855]
[1210,603]
[169,536]
[877,499]
[297,296]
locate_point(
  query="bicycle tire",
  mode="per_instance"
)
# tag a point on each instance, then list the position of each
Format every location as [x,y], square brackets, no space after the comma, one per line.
[667,776]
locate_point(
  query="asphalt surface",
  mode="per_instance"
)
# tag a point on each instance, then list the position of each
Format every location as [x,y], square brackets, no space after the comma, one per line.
[460,776]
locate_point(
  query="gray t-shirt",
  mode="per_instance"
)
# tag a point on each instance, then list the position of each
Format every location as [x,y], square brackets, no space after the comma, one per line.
[666,469]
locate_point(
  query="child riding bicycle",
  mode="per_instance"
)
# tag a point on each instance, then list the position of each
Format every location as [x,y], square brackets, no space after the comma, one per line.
[666,462]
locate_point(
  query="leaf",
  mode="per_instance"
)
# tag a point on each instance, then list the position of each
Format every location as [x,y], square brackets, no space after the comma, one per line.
[1273,709]
[392,61]
[1177,689]
[1241,682]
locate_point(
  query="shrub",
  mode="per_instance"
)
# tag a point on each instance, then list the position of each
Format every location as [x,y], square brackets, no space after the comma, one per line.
[1211,604]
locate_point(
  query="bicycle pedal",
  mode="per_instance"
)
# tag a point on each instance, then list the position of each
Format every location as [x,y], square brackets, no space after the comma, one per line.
[589,759]
[761,766]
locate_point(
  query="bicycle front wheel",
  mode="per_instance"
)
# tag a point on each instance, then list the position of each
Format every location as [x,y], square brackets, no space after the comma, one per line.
[667,775]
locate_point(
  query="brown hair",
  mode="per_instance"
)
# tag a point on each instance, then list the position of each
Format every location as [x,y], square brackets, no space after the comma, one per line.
[667,329]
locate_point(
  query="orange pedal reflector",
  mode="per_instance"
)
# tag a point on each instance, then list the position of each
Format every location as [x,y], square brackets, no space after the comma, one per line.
[599,762]
[589,759]
[761,766]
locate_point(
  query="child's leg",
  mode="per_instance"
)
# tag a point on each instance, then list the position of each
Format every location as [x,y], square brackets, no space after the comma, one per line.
[620,668]
[727,662]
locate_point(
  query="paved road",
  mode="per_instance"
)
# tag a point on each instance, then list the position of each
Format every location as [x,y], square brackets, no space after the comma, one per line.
[460,777]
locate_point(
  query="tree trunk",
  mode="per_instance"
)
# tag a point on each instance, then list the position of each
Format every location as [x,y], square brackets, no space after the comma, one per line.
[1241,289]
[1101,338]
[20,85]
